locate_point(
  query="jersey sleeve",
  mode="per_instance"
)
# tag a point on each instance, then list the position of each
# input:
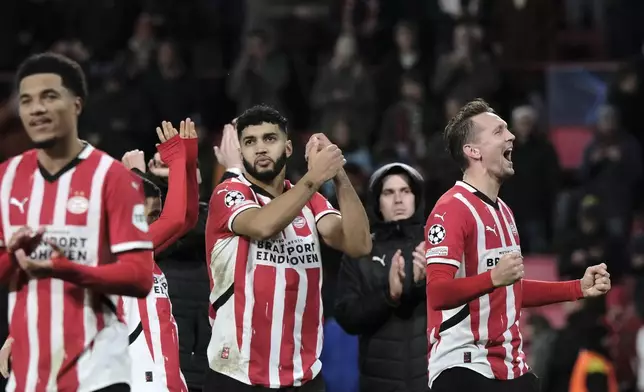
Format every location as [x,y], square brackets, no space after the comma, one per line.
[446,233]
[229,199]
[124,207]
[321,207]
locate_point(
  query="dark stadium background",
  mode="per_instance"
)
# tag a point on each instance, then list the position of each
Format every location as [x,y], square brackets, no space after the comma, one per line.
[556,70]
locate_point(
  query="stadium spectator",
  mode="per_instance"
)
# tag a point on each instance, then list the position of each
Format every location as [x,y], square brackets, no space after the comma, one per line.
[381,297]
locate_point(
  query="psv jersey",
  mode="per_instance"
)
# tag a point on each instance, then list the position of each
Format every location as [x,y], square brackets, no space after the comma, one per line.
[470,232]
[67,337]
[266,308]
[154,340]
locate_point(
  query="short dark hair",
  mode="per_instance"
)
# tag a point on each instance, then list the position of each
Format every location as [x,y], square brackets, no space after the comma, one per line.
[71,73]
[150,189]
[459,129]
[259,114]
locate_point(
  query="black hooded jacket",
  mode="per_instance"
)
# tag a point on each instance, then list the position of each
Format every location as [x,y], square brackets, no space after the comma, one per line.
[393,337]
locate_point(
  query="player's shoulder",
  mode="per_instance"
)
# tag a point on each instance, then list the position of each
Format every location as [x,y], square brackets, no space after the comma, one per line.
[116,174]
[232,191]
[451,201]
[27,156]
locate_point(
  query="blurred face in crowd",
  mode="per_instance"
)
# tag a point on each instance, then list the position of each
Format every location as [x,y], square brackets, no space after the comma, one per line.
[452,106]
[341,133]
[397,201]
[48,110]
[491,145]
[523,123]
[462,38]
[152,209]
[265,149]
[256,46]
[345,48]
[411,90]
[404,38]
[167,56]
[606,121]
[628,83]
[588,224]
[144,29]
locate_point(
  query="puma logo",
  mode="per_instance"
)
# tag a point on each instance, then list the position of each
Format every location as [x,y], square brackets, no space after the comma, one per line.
[488,228]
[441,217]
[381,260]
[21,205]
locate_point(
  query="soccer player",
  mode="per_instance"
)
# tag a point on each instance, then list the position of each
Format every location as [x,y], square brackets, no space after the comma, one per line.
[262,237]
[154,339]
[475,285]
[88,211]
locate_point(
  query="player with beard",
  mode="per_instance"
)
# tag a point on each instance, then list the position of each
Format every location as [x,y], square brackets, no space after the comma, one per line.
[263,238]
[73,238]
[475,285]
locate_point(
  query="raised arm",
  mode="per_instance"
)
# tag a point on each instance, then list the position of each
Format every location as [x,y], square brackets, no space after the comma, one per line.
[190,142]
[349,231]
[169,225]
[265,222]
[594,283]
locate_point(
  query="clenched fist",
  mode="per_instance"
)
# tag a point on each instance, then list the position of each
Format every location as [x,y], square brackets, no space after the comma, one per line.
[326,163]
[134,160]
[508,270]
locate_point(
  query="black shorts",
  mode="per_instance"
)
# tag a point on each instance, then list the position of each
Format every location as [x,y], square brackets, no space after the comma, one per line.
[462,379]
[217,382]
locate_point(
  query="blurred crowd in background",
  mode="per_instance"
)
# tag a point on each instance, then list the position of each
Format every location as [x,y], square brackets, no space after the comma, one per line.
[381,79]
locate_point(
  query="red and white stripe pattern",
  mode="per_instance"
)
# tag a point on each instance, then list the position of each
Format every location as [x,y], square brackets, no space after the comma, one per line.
[155,352]
[267,327]
[485,334]
[66,337]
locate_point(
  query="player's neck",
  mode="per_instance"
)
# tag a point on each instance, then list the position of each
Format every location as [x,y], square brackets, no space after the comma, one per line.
[275,188]
[483,183]
[54,158]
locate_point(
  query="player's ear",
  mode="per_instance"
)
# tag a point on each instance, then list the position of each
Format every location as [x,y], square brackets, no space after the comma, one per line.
[288,148]
[472,152]
[78,105]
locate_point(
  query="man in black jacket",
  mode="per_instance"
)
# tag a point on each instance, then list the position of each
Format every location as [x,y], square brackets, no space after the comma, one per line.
[381,297]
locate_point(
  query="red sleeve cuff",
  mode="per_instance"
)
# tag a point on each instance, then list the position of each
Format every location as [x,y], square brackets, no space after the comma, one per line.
[171,150]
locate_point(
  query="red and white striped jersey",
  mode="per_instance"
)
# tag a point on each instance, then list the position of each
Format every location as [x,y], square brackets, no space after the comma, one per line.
[68,338]
[154,340]
[266,309]
[471,232]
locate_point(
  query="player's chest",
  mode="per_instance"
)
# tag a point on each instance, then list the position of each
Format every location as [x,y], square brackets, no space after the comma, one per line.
[70,200]
[495,235]
[297,246]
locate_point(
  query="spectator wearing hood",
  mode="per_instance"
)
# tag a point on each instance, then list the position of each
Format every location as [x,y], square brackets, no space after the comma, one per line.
[381,297]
